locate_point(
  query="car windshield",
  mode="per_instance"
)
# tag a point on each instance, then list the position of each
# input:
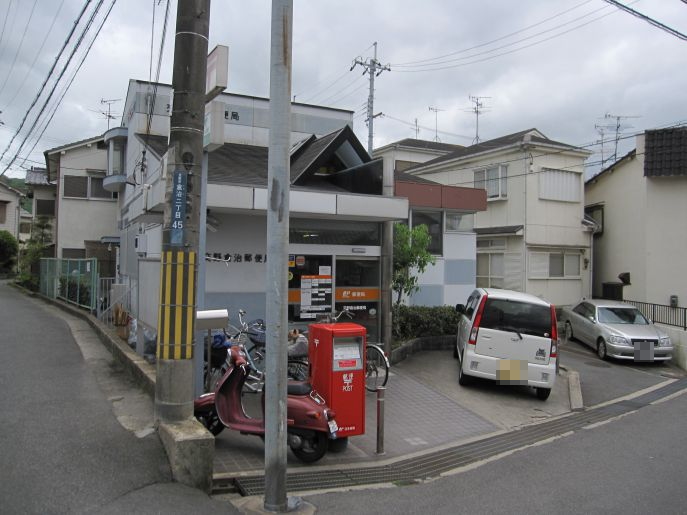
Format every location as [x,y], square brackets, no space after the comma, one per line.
[518,317]
[621,316]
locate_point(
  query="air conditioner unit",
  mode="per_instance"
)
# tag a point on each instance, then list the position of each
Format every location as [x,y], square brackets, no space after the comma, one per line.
[141,244]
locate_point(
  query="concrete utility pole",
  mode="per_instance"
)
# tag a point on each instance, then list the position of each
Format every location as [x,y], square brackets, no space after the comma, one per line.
[374,69]
[178,263]
[278,180]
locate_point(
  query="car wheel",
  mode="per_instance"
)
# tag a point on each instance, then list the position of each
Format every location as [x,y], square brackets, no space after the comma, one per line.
[568,331]
[455,351]
[463,379]
[601,348]
[543,393]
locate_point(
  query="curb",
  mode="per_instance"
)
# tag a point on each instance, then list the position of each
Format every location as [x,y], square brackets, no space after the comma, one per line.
[575,390]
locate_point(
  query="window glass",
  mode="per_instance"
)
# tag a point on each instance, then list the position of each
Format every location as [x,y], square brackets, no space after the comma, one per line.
[75,186]
[3,212]
[572,265]
[432,219]
[619,315]
[492,182]
[521,317]
[97,190]
[45,207]
[330,232]
[555,265]
[479,180]
[459,221]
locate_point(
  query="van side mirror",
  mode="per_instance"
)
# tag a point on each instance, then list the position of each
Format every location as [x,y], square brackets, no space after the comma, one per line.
[460,308]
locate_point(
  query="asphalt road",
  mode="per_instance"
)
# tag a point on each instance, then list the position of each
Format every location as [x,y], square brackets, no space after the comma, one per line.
[630,465]
[64,442]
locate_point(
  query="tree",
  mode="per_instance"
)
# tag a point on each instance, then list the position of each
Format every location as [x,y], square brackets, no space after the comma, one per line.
[411,257]
[9,248]
[41,237]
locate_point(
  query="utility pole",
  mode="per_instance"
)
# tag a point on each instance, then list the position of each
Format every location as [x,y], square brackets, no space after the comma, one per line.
[180,229]
[278,178]
[477,109]
[374,69]
[435,110]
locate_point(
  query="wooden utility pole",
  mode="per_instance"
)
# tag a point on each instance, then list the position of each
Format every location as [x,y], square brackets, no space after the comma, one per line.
[180,230]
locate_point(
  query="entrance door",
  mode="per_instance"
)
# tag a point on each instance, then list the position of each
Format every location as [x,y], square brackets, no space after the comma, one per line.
[357,288]
[310,288]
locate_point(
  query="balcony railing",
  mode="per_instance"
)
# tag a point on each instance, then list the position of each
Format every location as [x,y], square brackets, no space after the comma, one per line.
[662,314]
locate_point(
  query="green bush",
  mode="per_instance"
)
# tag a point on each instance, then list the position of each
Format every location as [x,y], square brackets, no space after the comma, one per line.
[75,291]
[9,248]
[417,321]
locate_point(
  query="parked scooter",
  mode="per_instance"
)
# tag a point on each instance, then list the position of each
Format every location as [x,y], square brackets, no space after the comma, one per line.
[310,422]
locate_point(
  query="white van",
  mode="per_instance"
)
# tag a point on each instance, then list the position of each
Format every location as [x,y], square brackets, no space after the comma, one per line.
[509,337]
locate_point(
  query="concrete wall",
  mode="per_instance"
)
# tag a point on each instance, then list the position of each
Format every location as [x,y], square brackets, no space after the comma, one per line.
[679,339]
[11,202]
[81,219]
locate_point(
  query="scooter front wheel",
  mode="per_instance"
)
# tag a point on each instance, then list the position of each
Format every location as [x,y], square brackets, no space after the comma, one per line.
[312,447]
[210,419]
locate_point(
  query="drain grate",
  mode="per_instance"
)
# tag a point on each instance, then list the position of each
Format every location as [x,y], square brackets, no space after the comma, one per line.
[435,463]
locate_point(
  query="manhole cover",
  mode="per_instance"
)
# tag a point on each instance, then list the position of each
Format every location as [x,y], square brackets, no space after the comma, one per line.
[599,364]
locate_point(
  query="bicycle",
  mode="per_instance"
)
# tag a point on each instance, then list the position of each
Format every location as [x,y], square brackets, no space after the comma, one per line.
[376,363]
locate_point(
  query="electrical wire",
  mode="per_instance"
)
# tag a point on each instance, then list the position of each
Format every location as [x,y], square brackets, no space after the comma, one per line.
[66,89]
[411,124]
[47,78]
[33,63]
[21,43]
[501,38]
[4,24]
[647,19]
[57,81]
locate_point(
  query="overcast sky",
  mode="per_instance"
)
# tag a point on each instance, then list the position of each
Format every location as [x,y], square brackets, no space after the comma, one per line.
[558,66]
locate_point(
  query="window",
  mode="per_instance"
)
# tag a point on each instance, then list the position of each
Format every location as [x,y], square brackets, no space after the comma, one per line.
[554,264]
[45,207]
[561,185]
[496,243]
[3,212]
[597,214]
[86,187]
[490,270]
[73,253]
[459,222]
[25,227]
[494,180]
[432,219]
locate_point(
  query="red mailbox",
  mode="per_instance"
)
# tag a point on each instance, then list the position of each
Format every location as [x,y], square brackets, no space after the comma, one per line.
[337,359]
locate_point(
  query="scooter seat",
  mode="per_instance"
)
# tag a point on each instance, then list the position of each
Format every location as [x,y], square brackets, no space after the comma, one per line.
[298,388]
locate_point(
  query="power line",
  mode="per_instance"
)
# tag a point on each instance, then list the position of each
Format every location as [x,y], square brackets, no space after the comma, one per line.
[59,78]
[488,58]
[38,54]
[21,43]
[647,19]
[64,92]
[47,78]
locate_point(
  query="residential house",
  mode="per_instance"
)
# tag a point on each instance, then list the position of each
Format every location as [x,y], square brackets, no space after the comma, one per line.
[43,195]
[10,207]
[85,212]
[640,205]
[533,236]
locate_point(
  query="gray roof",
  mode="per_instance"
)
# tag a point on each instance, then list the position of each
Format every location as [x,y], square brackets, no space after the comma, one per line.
[505,229]
[493,144]
[424,144]
[73,144]
[37,177]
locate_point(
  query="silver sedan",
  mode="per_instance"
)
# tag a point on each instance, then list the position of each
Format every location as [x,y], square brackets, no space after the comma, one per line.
[616,329]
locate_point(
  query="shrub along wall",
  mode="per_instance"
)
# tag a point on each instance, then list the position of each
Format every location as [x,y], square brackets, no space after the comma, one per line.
[420,321]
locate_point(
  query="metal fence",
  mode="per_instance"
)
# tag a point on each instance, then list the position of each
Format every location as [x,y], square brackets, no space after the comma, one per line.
[662,314]
[112,298]
[72,280]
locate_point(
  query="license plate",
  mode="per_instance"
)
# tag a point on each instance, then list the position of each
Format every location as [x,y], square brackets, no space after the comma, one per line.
[333,428]
[512,371]
[644,351]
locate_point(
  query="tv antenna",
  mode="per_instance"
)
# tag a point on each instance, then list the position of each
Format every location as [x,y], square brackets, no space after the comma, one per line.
[435,110]
[617,127]
[108,115]
[477,109]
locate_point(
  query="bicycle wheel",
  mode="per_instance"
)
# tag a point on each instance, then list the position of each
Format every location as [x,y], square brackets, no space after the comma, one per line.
[298,370]
[376,368]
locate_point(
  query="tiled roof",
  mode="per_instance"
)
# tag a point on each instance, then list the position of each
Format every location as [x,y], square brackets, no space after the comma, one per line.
[431,145]
[238,164]
[73,144]
[37,177]
[665,152]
